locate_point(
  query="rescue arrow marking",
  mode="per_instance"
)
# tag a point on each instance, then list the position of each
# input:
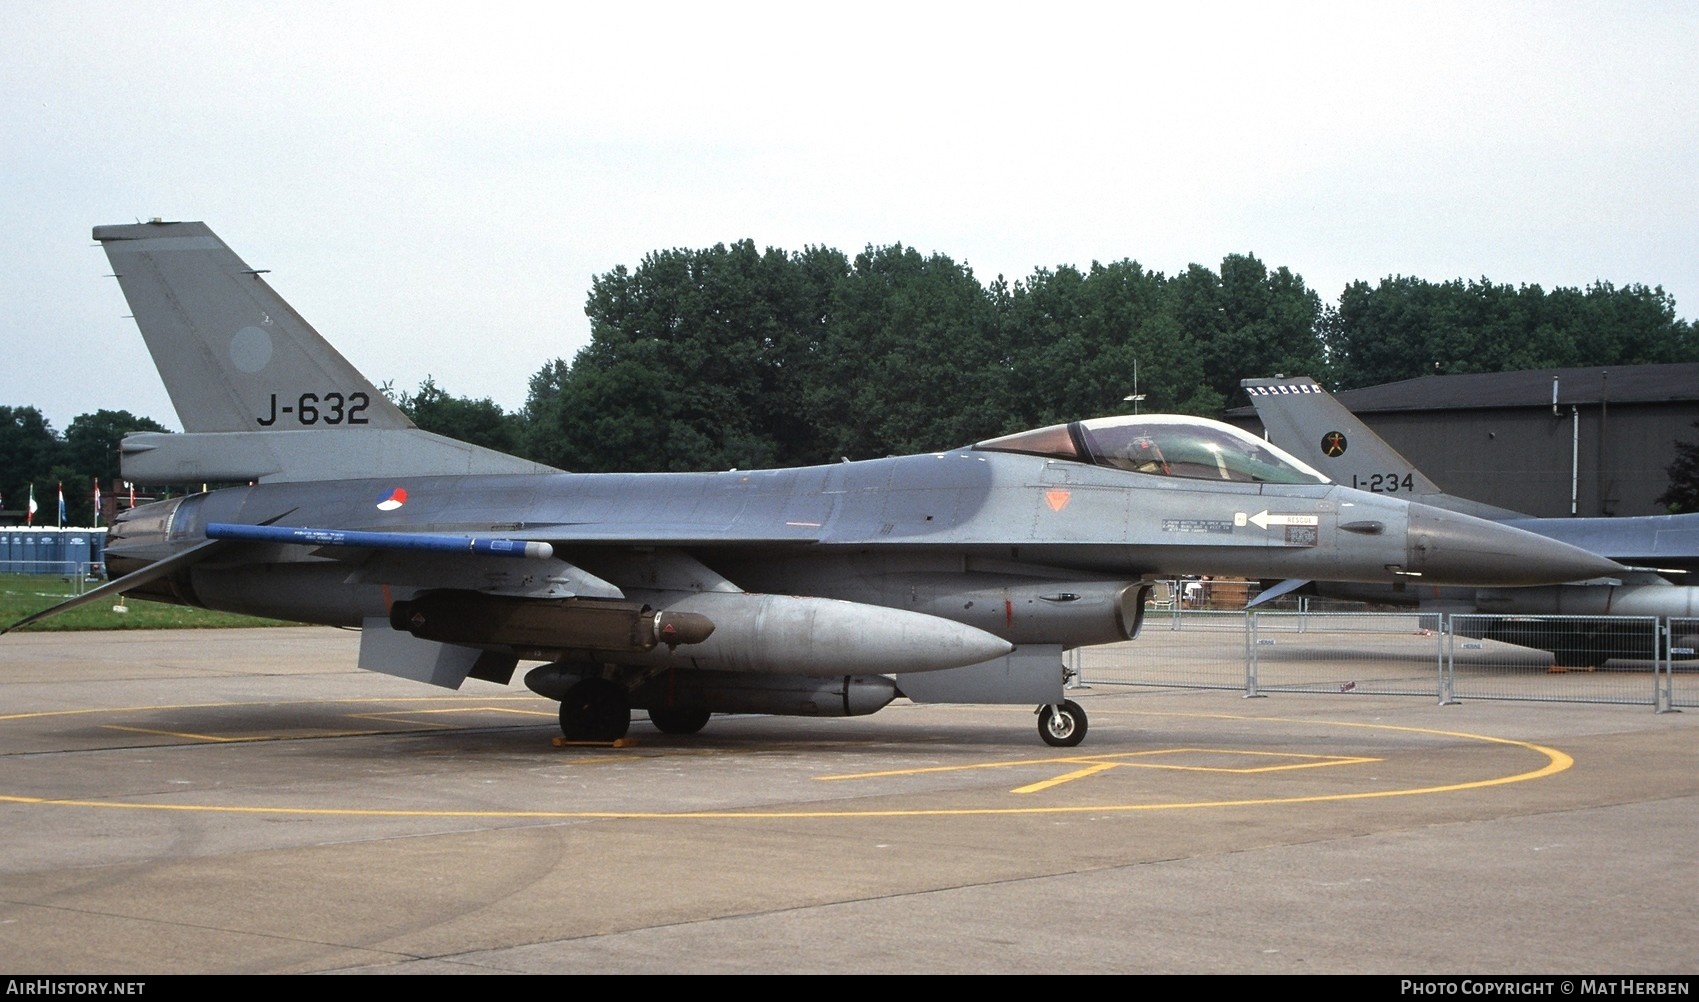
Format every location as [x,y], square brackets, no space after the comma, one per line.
[1263,519]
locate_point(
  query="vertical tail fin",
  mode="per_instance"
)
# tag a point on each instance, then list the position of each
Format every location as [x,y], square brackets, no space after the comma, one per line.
[234,356]
[1308,422]
[261,395]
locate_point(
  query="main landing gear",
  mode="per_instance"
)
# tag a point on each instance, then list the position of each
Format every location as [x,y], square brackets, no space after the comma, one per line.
[598,710]
[1061,725]
[678,719]
[595,709]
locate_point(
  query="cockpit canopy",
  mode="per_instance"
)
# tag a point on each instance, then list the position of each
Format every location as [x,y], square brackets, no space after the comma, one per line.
[1167,445]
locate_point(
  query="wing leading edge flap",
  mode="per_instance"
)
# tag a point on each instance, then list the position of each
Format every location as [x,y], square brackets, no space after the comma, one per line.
[428,541]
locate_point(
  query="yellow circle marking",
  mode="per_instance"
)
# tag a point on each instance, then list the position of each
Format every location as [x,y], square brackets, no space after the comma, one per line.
[1556,762]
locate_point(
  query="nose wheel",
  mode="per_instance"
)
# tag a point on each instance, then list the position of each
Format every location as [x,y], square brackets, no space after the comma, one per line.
[1061,725]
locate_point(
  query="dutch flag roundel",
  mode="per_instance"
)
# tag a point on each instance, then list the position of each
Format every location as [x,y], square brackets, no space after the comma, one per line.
[396,499]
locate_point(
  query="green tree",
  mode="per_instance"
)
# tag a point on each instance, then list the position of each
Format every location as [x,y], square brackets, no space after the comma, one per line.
[1078,344]
[541,424]
[1633,325]
[29,450]
[91,441]
[1271,323]
[733,357]
[1407,327]
[911,361]
[90,453]
[697,360]
[478,422]
[1055,367]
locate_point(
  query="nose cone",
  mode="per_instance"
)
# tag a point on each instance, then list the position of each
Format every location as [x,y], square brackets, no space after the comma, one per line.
[1450,548]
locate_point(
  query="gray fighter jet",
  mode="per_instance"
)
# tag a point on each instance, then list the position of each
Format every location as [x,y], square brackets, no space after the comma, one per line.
[958,576]
[1302,417]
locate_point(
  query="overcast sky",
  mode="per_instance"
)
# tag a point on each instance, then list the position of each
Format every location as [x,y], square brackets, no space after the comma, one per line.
[434,188]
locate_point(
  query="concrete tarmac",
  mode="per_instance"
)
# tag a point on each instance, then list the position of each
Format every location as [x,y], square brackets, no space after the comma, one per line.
[247,801]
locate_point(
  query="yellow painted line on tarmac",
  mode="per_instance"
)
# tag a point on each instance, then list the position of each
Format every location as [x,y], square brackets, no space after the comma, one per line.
[302,735]
[180,735]
[1566,760]
[1067,778]
[1555,762]
[1132,759]
[417,717]
[1293,760]
[1102,763]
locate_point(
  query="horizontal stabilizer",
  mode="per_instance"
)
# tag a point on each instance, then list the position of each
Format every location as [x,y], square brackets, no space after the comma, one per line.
[150,457]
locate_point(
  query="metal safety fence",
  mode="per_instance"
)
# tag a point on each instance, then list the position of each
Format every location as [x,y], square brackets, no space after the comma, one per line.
[76,576]
[1631,660]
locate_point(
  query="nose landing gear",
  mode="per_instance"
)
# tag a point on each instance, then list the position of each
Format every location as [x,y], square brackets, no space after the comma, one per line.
[1061,725]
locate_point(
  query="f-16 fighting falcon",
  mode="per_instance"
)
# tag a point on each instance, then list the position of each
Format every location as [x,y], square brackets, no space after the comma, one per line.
[956,576]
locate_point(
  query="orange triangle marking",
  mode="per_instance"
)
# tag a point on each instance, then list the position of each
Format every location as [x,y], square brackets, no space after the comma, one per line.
[1057,500]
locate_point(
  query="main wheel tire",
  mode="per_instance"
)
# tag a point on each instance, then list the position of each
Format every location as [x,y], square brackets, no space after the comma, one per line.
[678,719]
[595,710]
[1061,725]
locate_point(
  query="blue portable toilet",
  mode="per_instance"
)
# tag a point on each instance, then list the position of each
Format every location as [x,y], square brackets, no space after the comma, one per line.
[75,552]
[50,552]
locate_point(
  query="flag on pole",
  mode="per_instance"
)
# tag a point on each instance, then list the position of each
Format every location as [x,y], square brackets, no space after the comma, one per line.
[61,504]
[29,512]
[97,503]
